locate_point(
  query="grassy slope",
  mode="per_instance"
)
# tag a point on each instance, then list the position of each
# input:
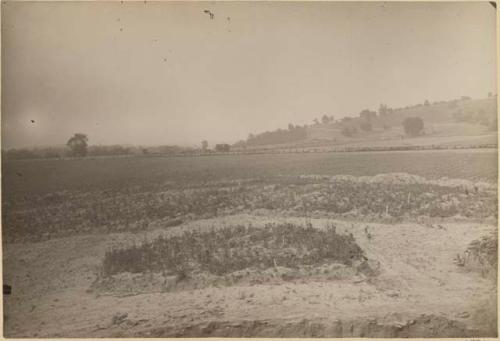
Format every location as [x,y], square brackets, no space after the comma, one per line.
[438,121]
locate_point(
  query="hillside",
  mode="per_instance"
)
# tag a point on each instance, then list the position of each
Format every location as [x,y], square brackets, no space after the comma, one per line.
[442,120]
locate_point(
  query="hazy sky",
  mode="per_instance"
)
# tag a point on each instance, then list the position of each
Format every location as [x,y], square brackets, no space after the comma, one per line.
[165,73]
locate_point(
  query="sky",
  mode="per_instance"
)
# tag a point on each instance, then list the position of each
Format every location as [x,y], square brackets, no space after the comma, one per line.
[155,73]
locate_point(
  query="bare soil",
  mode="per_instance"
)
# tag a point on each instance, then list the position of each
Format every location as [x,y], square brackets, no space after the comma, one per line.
[54,293]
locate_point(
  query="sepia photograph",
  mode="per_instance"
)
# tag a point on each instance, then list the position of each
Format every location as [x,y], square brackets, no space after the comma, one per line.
[243,169]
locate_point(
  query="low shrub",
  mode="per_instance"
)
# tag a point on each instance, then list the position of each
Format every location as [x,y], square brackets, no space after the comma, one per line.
[228,249]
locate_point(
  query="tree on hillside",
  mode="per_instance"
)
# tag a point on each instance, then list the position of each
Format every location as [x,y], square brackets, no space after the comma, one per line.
[325,119]
[413,126]
[426,103]
[316,121]
[382,110]
[204,145]
[293,133]
[367,115]
[78,144]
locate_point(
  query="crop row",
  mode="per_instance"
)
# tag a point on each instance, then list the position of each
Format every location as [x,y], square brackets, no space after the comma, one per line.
[110,212]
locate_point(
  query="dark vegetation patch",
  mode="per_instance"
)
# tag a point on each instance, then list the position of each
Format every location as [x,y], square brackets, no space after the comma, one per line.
[138,208]
[481,256]
[229,249]
[486,248]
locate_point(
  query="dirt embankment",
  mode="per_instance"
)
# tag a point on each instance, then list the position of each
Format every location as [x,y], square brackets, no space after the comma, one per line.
[422,326]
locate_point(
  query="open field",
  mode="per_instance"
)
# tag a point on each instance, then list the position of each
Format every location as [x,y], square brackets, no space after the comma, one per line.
[387,244]
[23,178]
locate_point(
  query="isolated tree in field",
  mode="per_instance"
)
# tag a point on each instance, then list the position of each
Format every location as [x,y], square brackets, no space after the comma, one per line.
[413,126]
[78,144]
[290,126]
[204,145]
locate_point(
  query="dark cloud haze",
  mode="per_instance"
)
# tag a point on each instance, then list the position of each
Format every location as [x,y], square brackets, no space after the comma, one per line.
[165,73]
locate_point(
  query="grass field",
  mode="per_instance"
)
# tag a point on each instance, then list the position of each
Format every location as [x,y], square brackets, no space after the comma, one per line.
[46,176]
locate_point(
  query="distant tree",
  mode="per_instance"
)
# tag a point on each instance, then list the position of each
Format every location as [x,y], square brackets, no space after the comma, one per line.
[413,126]
[78,144]
[382,110]
[50,153]
[465,98]
[204,145]
[426,103]
[325,119]
[290,126]
[222,148]
[367,115]
[108,150]
[19,154]
[240,144]
[316,121]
